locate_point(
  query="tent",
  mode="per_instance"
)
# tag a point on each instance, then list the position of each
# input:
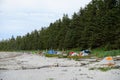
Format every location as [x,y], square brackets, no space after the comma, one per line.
[73,54]
[107,61]
[84,52]
[51,52]
[70,53]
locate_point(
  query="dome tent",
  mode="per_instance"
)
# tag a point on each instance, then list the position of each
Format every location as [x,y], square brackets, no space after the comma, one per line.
[84,52]
[52,52]
[107,61]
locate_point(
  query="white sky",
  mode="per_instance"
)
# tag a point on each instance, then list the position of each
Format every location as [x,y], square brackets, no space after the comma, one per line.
[18,17]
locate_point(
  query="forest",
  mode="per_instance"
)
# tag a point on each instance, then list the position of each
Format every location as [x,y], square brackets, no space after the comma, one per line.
[96,25]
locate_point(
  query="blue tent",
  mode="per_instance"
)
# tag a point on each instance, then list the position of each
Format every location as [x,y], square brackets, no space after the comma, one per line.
[51,52]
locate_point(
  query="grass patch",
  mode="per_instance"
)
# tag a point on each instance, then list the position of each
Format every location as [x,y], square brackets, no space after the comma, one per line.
[92,68]
[78,57]
[104,69]
[51,55]
[62,56]
[102,53]
[56,55]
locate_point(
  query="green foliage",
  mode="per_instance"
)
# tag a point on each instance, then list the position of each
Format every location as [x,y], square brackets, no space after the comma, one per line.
[102,53]
[104,69]
[62,56]
[51,55]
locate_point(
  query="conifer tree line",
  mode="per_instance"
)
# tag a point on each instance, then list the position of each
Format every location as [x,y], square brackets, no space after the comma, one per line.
[96,25]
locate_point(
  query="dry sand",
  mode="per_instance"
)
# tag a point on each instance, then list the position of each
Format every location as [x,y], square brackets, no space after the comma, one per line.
[23,66]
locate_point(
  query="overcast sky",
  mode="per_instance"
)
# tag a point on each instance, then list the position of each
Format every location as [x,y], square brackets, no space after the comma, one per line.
[18,17]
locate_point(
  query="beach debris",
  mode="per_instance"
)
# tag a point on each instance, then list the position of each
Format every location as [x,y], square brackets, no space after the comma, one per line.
[107,61]
[58,52]
[116,58]
[105,64]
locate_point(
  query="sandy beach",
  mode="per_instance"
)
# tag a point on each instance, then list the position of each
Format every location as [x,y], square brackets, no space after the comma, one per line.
[24,66]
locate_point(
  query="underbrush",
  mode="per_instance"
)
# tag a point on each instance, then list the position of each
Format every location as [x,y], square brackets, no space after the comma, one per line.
[100,53]
[51,55]
[103,53]
[104,69]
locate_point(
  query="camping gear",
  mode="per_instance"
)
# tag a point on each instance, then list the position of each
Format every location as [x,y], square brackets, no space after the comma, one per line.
[84,53]
[73,54]
[107,61]
[51,52]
